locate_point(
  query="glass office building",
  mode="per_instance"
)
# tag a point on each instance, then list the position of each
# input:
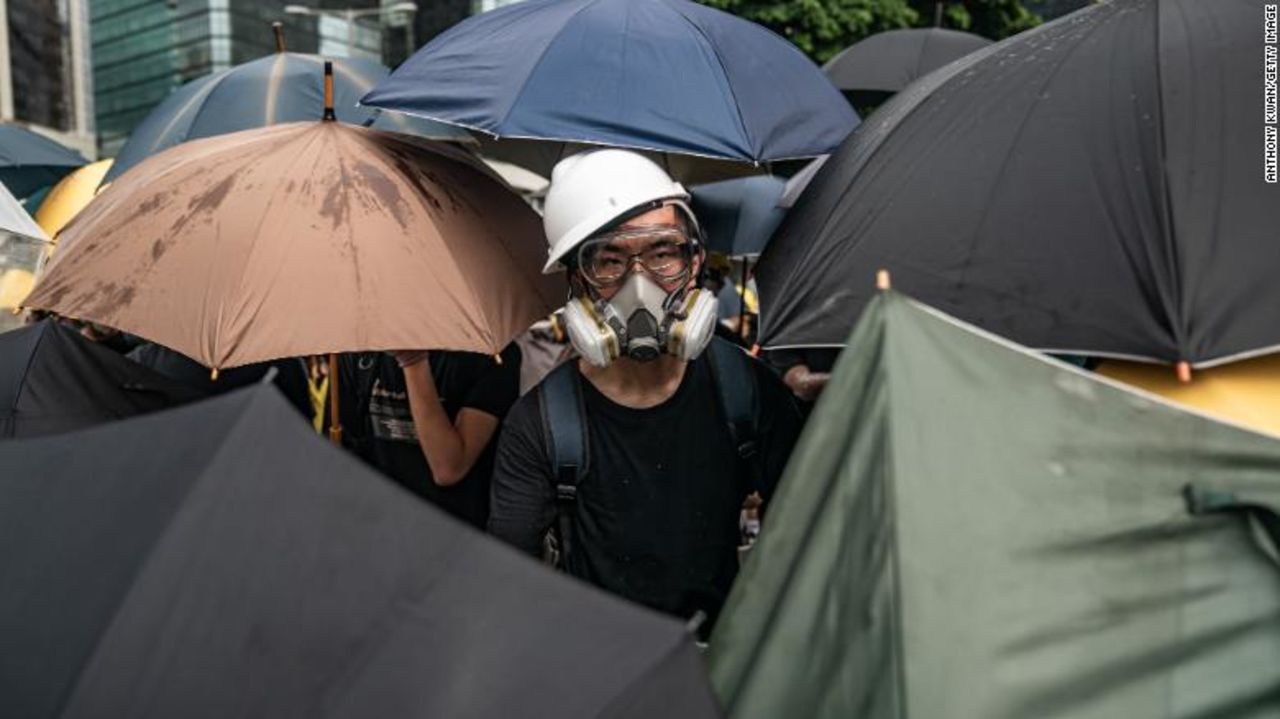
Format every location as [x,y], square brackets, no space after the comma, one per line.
[143,49]
[44,69]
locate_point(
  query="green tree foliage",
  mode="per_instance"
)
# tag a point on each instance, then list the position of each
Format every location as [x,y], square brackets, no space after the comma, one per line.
[994,19]
[822,28]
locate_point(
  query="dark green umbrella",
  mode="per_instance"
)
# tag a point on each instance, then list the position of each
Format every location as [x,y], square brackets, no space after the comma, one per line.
[971,530]
[30,161]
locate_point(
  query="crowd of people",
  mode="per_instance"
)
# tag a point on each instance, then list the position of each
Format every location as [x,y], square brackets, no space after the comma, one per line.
[631,439]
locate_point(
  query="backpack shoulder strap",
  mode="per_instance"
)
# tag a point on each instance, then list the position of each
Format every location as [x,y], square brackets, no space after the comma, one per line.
[566,441]
[735,380]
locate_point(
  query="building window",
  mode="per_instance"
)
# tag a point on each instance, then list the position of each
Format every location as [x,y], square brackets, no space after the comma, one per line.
[39,65]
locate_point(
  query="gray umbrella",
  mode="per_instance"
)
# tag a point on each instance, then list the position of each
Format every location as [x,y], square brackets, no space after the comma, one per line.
[30,161]
[871,70]
[284,87]
[221,560]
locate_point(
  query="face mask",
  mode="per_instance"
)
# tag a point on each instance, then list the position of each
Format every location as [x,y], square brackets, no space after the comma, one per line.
[641,321]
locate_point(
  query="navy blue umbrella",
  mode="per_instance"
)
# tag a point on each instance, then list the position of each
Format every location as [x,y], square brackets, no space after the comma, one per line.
[666,75]
[30,162]
[739,216]
[284,87]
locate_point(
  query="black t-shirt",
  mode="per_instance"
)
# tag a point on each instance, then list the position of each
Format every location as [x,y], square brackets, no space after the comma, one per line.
[656,518]
[378,424]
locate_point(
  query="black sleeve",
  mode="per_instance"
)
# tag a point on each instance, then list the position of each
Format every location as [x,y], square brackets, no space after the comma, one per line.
[497,388]
[779,426]
[522,496]
[782,360]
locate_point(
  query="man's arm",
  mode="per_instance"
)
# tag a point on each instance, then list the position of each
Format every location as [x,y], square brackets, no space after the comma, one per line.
[451,448]
[804,383]
[522,498]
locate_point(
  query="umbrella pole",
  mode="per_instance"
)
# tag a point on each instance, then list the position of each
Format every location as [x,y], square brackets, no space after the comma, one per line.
[328,92]
[742,301]
[335,424]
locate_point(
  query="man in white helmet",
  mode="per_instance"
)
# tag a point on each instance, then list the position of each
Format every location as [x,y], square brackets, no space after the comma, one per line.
[638,455]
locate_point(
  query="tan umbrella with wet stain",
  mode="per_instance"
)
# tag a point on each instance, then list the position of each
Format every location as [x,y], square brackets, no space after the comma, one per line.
[305,239]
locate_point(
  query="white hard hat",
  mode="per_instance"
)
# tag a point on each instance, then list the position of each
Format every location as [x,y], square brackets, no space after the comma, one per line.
[591,190]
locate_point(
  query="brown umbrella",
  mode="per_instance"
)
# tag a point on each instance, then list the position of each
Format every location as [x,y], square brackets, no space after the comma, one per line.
[304,239]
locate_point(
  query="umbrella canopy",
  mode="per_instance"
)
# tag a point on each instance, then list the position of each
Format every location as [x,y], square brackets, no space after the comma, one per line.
[220,560]
[971,530]
[541,156]
[799,182]
[664,75]
[15,220]
[30,161]
[279,88]
[22,247]
[71,195]
[521,180]
[1091,186]
[871,70]
[1246,392]
[53,380]
[738,216]
[304,239]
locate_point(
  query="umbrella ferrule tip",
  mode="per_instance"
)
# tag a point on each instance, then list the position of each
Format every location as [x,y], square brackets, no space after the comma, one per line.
[883,281]
[1183,369]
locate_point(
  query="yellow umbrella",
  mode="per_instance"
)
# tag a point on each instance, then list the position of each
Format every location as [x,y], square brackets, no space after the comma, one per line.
[1247,392]
[70,196]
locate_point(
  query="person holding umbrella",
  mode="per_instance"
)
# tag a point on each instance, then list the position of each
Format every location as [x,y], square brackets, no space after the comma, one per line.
[426,420]
[642,451]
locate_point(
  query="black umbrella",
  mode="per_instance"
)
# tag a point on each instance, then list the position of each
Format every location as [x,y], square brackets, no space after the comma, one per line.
[53,380]
[871,70]
[220,560]
[30,161]
[1093,186]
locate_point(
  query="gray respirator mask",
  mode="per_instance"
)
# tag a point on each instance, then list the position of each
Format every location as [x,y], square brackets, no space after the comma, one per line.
[641,321]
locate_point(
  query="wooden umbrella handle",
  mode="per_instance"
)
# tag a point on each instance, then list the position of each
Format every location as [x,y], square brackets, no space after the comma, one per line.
[328,92]
[335,424]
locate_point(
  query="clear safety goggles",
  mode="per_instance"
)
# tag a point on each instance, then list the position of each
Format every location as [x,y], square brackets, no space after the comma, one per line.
[665,252]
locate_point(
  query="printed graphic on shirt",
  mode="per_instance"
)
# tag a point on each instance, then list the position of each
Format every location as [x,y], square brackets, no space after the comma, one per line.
[390,416]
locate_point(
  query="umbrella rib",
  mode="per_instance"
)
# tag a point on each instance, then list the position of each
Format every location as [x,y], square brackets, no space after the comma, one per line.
[1017,135]
[262,219]
[924,45]
[379,155]
[273,86]
[31,360]
[925,95]
[142,566]
[737,109]
[538,63]
[203,94]
[1168,232]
